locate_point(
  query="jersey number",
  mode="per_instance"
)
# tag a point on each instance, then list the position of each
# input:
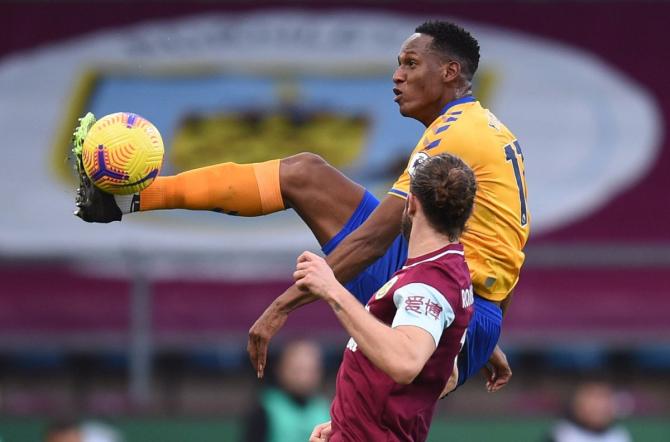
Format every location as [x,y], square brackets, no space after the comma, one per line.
[511,155]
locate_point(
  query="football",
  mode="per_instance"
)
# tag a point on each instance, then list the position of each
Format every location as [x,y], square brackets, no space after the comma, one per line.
[122,153]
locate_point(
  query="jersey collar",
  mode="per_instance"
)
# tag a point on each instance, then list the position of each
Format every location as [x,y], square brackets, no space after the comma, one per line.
[466,99]
[453,248]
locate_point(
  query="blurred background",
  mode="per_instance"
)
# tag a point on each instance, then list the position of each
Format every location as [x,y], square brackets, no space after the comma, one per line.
[136,331]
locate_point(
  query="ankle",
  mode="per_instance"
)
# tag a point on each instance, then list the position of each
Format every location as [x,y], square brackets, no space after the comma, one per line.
[128,203]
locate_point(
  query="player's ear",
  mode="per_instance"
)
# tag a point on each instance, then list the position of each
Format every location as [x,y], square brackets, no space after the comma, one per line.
[411,204]
[451,70]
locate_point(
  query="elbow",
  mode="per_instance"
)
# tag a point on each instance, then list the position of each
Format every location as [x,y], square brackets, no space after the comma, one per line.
[404,374]
[405,364]
[404,377]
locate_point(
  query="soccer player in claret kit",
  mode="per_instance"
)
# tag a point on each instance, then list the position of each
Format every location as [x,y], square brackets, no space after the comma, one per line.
[360,234]
[408,335]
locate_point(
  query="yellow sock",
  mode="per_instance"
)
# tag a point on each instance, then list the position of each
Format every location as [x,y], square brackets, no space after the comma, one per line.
[236,189]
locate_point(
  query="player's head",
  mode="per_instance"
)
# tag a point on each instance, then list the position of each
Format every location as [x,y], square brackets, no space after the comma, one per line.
[451,42]
[442,190]
[435,65]
[300,368]
[594,405]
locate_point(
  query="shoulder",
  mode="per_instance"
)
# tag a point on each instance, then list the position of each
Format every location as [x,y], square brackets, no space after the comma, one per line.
[456,133]
[443,278]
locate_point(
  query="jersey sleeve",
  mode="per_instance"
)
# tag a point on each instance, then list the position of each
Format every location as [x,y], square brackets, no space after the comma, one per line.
[423,306]
[401,187]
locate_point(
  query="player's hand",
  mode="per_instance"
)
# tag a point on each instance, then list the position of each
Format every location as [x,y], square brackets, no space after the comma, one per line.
[497,372]
[314,275]
[321,432]
[260,334]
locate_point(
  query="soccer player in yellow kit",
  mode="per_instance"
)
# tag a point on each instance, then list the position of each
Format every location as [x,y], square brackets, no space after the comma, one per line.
[499,226]
[361,235]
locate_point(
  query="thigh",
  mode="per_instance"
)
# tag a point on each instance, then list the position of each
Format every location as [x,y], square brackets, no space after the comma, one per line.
[480,339]
[322,196]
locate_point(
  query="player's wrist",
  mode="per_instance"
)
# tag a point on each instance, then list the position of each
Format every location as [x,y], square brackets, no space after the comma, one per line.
[336,298]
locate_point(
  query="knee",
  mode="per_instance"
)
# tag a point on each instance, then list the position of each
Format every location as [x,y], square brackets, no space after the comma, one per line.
[299,172]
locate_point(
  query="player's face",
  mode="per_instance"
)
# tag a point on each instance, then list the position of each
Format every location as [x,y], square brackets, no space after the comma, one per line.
[419,80]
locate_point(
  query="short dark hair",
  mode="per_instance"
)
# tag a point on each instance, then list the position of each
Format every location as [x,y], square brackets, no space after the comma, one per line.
[451,40]
[445,186]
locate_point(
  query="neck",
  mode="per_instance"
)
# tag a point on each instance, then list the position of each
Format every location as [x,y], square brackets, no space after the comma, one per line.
[424,239]
[459,92]
[462,91]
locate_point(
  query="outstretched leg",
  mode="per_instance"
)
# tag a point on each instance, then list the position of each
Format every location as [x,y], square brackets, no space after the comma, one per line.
[323,197]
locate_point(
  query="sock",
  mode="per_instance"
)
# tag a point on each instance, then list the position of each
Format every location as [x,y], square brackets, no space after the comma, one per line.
[128,203]
[235,189]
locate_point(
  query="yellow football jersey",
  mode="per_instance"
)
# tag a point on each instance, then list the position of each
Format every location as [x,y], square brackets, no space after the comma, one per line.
[499,226]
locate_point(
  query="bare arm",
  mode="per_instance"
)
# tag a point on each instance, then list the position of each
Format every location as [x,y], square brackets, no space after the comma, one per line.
[400,352]
[357,251]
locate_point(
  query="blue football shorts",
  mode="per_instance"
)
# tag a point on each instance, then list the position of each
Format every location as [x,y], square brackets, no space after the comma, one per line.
[484,329]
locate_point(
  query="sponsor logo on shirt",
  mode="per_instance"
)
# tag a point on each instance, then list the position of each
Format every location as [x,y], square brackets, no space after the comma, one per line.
[417,305]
